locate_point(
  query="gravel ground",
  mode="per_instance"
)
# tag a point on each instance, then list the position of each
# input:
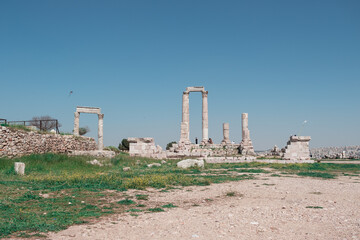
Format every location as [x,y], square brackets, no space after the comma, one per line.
[267,208]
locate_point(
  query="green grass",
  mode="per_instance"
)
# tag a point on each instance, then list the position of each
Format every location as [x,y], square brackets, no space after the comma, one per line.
[126,202]
[316,174]
[156,209]
[142,197]
[316,207]
[170,205]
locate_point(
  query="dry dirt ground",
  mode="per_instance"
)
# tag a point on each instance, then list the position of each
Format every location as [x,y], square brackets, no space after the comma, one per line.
[266,208]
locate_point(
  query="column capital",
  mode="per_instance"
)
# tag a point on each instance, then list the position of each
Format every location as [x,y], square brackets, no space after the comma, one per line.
[101,116]
[186,93]
[205,93]
[76,114]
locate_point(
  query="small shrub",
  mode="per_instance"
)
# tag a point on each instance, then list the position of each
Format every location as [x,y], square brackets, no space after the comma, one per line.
[142,197]
[169,145]
[124,145]
[84,130]
[170,205]
[126,202]
[156,210]
[316,207]
[230,194]
[134,210]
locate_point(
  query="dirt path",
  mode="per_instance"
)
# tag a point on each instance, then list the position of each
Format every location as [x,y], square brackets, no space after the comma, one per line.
[273,208]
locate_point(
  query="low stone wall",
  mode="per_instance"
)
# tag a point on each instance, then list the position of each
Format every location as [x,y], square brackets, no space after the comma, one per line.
[15,142]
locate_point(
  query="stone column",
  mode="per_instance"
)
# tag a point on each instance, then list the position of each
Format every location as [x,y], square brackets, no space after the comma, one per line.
[246,147]
[185,123]
[100,132]
[76,123]
[245,126]
[226,139]
[205,119]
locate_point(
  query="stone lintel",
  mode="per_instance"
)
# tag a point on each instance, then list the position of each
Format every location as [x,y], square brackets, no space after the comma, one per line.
[95,110]
[300,138]
[195,89]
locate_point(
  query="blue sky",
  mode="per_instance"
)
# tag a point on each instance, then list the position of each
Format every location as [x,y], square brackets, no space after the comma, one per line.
[282,62]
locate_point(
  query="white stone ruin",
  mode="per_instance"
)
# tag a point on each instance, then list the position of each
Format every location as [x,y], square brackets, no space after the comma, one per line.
[297,148]
[19,168]
[185,123]
[226,134]
[246,147]
[93,110]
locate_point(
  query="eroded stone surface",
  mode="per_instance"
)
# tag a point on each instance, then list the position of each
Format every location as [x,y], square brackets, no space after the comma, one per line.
[297,148]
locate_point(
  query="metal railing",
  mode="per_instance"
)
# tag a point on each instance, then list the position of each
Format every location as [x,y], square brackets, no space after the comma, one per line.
[42,125]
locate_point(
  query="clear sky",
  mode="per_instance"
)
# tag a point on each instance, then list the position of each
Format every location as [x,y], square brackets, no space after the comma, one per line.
[282,62]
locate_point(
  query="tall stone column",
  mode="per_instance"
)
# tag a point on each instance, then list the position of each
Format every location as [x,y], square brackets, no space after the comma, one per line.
[245,126]
[246,147]
[76,123]
[100,132]
[226,139]
[205,119]
[185,123]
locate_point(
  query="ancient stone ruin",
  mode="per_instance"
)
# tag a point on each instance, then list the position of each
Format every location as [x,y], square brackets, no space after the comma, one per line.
[146,147]
[185,123]
[246,147]
[226,134]
[93,110]
[297,148]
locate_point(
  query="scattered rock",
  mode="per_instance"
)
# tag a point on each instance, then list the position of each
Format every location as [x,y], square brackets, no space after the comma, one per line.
[163,162]
[95,162]
[154,164]
[188,163]
[19,168]
[125,169]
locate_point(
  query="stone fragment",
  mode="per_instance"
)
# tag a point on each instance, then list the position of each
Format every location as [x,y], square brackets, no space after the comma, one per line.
[188,163]
[154,164]
[95,162]
[125,169]
[19,168]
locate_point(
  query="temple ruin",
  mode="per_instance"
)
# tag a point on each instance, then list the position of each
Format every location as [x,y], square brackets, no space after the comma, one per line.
[185,123]
[93,110]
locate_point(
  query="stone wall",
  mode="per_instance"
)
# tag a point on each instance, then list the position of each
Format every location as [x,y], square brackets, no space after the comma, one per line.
[15,142]
[145,147]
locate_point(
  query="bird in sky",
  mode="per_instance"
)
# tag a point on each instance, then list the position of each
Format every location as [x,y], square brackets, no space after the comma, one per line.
[70,93]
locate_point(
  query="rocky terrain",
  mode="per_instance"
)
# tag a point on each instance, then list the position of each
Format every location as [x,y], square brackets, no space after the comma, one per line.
[266,208]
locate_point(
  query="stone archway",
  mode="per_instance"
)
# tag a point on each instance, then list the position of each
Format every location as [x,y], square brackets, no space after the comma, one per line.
[94,110]
[185,123]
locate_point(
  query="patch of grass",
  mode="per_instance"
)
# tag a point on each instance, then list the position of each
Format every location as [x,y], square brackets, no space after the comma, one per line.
[126,202]
[317,207]
[170,205]
[142,197]
[156,209]
[275,175]
[316,193]
[141,205]
[316,174]
[230,194]
[269,184]
[134,210]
